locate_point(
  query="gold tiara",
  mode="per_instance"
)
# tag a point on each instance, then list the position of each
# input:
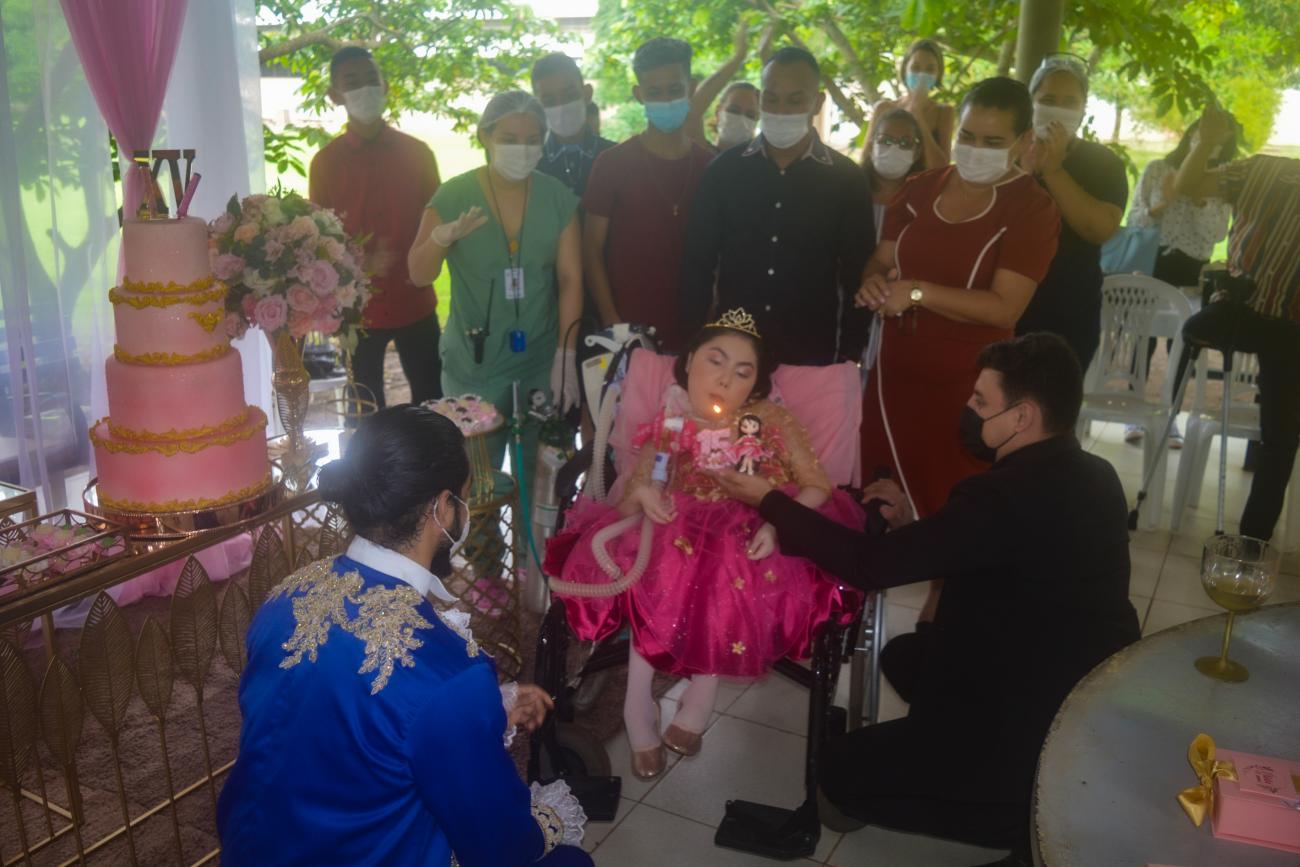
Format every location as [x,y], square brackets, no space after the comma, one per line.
[737,320]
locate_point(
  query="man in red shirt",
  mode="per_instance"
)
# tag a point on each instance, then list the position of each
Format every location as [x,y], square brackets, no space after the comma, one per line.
[638,199]
[379,181]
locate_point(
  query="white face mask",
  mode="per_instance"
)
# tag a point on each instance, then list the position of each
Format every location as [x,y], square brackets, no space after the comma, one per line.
[1070,118]
[784,130]
[890,161]
[981,165]
[734,128]
[567,120]
[464,527]
[365,104]
[514,162]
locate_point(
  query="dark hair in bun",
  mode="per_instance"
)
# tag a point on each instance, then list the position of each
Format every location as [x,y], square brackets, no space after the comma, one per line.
[399,460]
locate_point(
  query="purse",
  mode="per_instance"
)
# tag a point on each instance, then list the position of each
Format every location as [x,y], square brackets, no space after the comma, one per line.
[1131,250]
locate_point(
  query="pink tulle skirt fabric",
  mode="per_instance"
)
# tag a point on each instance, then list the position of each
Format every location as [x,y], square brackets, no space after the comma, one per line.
[702,606]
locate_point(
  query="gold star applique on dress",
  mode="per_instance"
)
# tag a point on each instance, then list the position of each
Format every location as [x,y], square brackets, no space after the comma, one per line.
[769,576]
[684,545]
[739,583]
[738,647]
[385,621]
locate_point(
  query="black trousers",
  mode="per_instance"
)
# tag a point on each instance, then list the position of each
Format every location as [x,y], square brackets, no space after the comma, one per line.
[902,775]
[1276,343]
[417,347]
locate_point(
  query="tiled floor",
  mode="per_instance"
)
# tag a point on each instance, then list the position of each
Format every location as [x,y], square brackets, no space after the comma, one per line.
[754,748]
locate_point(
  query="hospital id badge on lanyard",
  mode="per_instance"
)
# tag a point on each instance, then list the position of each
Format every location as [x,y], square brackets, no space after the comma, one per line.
[514,282]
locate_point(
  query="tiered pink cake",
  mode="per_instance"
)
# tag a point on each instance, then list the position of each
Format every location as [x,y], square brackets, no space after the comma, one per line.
[179,435]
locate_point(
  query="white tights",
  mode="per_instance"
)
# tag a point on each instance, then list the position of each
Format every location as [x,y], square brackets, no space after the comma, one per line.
[640,713]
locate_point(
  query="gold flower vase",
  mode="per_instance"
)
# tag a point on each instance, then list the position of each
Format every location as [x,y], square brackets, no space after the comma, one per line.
[292,397]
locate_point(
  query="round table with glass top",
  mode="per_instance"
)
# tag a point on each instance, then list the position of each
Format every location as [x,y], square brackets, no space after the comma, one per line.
[1115,758]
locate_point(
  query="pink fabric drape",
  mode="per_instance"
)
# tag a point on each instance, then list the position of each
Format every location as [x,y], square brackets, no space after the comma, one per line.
[127,48]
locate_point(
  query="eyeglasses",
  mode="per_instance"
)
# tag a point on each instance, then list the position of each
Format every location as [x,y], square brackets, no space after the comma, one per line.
[907,143]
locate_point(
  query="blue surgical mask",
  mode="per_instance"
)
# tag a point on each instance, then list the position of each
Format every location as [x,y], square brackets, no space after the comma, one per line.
[668,116]
[920,80]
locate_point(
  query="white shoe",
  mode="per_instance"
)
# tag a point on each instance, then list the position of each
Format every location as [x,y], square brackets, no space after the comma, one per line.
[1175,438]
[1133,433]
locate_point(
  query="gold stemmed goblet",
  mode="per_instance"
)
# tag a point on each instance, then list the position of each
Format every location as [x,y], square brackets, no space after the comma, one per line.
[1238,573]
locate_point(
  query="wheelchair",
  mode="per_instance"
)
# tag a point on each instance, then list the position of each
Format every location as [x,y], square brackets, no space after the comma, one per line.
[561,748]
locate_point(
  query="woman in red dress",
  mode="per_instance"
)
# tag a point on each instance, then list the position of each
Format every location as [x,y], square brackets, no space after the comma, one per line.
[961,253]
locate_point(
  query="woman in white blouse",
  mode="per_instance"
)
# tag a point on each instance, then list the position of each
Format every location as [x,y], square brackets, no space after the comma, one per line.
[1189,228]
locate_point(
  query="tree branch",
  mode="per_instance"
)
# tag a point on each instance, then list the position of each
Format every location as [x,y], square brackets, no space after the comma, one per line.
[319,36]
[865,80]
[846,103]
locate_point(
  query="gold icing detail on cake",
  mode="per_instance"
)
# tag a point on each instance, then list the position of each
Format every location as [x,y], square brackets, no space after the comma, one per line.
[173,447]
[170,359]
[136,507]
[207,321]
[126,433]
[168,288]
[143,300]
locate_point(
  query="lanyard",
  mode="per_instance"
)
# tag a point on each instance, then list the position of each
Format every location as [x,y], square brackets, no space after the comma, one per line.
[515,248]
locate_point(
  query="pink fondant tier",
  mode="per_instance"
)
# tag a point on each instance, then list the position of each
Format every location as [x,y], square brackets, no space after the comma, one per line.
[199,473]
[180,398]
[188,325]
[165,251]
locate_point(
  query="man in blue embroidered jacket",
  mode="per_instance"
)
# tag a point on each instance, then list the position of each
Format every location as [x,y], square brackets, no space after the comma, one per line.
[374,730]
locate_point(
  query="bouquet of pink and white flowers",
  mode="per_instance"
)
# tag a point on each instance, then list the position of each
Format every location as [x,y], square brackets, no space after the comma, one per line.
[289,265]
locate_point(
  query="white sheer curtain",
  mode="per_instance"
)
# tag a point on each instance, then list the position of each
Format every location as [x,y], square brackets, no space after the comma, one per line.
[214,105]
[58,255]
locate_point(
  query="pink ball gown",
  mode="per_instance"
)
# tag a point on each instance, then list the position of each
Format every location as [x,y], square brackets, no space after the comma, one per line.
[702,606]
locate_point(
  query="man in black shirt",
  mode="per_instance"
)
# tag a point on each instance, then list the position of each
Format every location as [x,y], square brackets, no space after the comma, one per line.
[784,226]
[570,147]
[1035,553]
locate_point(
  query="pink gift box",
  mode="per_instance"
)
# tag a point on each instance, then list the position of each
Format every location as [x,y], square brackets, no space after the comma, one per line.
[1263,806]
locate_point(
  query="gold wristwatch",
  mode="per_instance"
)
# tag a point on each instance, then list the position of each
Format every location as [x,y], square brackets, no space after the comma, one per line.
[916,293]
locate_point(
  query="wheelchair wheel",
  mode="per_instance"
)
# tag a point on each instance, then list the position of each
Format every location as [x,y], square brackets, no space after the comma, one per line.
[582,754]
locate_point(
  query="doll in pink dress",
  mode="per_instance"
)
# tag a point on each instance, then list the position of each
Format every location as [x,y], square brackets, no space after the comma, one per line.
[708,592]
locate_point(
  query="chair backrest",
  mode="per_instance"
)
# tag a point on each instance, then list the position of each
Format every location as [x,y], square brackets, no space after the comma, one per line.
[1134,309]
[827,401]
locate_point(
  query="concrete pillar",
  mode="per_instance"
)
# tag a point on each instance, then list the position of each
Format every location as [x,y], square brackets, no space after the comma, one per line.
[1040,34]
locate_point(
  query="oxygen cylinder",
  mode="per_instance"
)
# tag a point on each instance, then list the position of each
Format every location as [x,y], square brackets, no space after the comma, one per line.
[546,508]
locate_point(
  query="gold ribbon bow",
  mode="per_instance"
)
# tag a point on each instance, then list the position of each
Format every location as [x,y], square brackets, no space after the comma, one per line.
[1198,801]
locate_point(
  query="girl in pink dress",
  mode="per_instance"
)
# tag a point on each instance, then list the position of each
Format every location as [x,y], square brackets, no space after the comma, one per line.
[710,592]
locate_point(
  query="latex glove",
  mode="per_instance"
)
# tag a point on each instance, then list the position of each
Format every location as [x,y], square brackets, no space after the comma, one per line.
[564,380]
[446,234]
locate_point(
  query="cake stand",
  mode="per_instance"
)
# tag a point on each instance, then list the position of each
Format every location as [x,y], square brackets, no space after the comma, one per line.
[159,526]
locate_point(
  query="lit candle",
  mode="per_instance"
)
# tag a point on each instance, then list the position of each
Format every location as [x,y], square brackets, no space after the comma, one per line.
[717,410]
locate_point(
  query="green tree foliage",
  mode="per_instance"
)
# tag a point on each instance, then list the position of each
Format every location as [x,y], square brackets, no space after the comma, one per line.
[438,56]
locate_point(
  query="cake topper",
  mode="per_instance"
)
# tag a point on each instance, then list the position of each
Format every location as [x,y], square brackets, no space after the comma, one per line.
[154,206]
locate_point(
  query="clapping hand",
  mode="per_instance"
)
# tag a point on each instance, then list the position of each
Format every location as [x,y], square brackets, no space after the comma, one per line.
[531,706]
[1047,153]
[446,234]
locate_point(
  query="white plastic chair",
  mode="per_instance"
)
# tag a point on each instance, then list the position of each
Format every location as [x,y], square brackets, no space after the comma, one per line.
[1206,423]
[1134,309]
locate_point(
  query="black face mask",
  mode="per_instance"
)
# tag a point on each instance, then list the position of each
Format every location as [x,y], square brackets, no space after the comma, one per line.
[971,432]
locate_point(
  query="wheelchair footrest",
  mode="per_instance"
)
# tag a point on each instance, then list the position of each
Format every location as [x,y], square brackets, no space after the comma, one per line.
[772,832]
[598,795]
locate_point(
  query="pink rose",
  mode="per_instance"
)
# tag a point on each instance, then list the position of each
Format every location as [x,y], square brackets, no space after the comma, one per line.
[235,325]
[228,265]
[245,233]
[272,249]
[270,313]
[325,324]
[320,276]
[333,250]
[221,225]
[303,227]
[301,298]
[328,306]
[347,294]
[299,324]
